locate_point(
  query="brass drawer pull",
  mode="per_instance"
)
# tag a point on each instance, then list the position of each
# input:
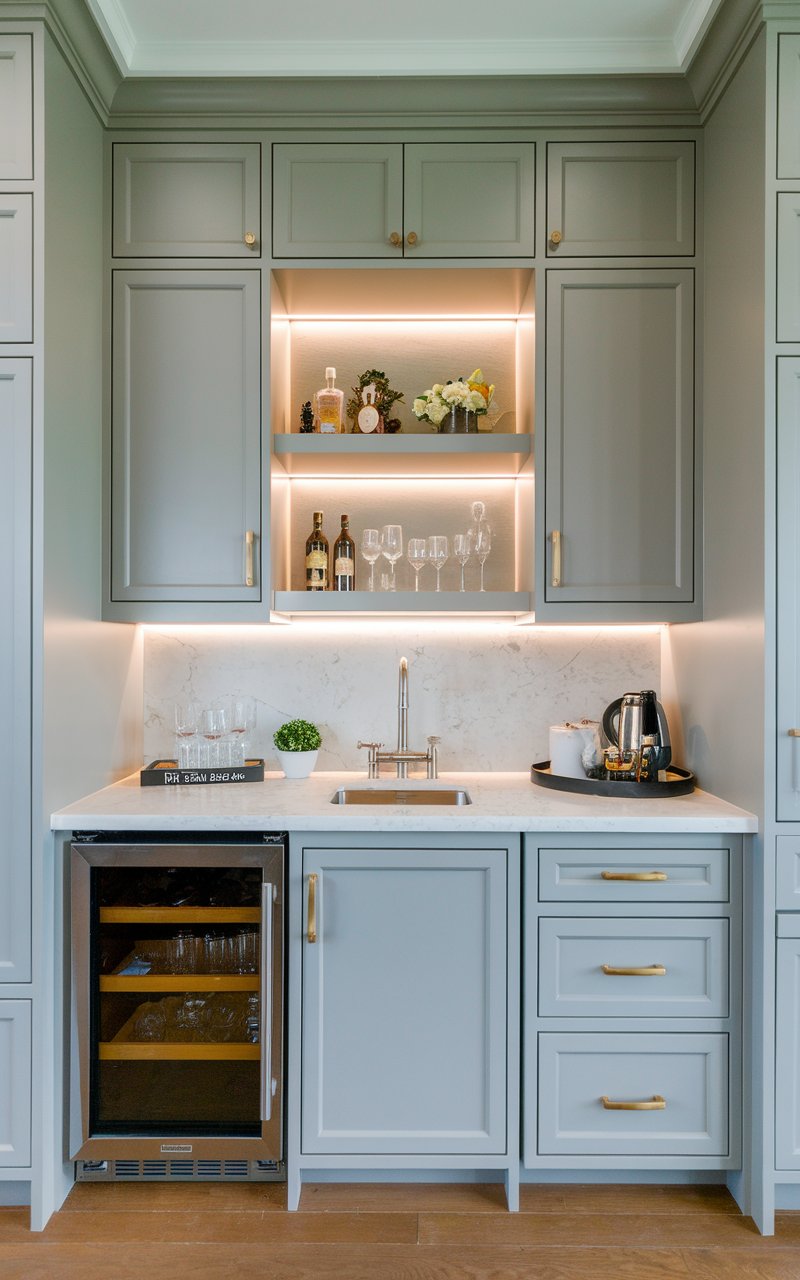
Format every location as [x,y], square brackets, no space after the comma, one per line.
[555,540]
[656,1103]
[634,971]
[249,543]
[555,239]
[633,875]
[312,908]
[250,239]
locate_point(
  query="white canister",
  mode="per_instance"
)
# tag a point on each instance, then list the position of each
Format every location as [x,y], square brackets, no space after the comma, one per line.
[574,748]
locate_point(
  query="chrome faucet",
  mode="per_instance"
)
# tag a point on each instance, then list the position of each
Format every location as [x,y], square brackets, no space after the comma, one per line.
[402,757]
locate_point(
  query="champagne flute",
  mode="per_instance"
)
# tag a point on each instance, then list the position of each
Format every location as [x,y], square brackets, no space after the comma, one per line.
[482,543]
[371,550]
[392,547]
[461,551]
[417,555]
[438,553]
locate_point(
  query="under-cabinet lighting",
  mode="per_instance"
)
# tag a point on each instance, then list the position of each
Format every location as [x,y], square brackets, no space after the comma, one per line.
[438,318]
[363,625]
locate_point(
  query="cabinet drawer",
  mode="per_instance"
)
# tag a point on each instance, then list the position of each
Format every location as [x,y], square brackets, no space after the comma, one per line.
[788,105]
[15,1083]
[16,268]
[618,875]
[788,267]
[688,1072]
[16,107]
[685,964]
[189,199]
[620,199]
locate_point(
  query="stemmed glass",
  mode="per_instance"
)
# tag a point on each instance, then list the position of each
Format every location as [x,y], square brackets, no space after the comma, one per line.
[461,551]
[392,547]
[482,545]
[438,553]
[371,550]
[214,725]
[417,555]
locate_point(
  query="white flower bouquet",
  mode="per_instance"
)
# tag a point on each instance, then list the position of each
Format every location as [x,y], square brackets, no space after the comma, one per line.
[472,394]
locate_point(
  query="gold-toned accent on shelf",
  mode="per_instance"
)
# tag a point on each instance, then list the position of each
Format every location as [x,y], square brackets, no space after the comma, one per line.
[634,875]
[180,915]
[412,238]
[396,239]
[249,543]
[555,238]
[179,982]
[634,971]
[250,239]
[794,733]
[312,907]
[555,538]
[143,1051]
[656,1103]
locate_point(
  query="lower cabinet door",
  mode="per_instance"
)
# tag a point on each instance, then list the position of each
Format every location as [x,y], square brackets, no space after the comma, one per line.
[620,1094]
[404,1001]
[787,1054]
[15,1084]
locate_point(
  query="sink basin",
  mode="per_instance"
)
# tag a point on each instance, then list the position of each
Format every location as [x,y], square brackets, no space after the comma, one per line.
[399,795]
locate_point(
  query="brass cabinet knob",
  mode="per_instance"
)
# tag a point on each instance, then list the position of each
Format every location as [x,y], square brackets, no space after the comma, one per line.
[555,238]
[396,239]
[250,239]
[794,733]
[412,238]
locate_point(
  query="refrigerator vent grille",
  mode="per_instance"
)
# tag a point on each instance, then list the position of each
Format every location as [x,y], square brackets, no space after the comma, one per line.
[180,1170]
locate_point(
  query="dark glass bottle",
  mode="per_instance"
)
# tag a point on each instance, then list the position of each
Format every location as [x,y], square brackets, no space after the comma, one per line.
[317,557]
[344,559]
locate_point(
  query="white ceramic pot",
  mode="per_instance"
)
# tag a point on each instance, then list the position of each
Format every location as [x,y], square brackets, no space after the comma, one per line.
[297,764]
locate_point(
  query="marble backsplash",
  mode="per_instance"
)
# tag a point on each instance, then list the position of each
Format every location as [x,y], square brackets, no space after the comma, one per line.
[489,690]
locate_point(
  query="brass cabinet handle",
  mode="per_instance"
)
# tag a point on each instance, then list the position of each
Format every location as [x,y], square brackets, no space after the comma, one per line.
[396,239]
[633,875]
[249,544]
[555,238]
[656,1103]
[412,238]
[794,733]
[555,539]
[634,971]
[250,239]
[312,908]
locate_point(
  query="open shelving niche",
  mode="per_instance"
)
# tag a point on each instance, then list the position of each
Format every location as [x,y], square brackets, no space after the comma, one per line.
[420,326]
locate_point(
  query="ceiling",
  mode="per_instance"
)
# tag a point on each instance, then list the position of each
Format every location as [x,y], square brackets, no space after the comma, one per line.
[210,38]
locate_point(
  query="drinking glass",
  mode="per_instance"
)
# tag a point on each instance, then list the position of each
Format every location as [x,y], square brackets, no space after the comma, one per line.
[438,553]
[186,719]
[461,551]
[371,550]
[392,547]
[214,726]
[243,715]
[482,545]
[417,555]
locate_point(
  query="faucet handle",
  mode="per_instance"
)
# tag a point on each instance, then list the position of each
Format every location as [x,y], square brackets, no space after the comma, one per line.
[372,758]
[433,740]
[433,757]
[371,746]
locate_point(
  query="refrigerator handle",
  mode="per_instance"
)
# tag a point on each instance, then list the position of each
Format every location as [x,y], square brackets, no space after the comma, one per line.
[267,976]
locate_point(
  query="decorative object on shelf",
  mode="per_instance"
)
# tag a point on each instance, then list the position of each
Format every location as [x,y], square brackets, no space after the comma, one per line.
[297,744]
[371,551]
[392,549]
[479,536]
[166,773]
[370,405]
[317,557]
[454,407]
[329,401]
[344,559]
[306,419]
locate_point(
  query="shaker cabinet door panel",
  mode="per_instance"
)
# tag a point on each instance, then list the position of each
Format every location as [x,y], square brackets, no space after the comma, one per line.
[619,437]
[16,107]
[787,1059]
[404,1002]
[620,199]
[787,702]
[15,1084]
[337,200]
[469,200]
[179,200]
[15,671]
[788,272]
[186,435]
[789,105]
[16,268]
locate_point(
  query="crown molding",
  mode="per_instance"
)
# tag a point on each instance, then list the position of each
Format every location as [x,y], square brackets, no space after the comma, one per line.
[76,35]
[727,41]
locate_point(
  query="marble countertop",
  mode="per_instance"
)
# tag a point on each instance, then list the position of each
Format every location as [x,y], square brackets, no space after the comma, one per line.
[505,802]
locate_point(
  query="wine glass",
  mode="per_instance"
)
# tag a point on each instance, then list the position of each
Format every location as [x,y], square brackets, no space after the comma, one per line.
[243,715]
[417,555]
[462,551]
[392,547]
[438,553]
[186,717]
[482,545]
[371,550]
[214,725]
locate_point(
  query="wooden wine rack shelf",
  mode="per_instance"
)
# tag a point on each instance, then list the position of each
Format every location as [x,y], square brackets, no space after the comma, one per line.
[180,915]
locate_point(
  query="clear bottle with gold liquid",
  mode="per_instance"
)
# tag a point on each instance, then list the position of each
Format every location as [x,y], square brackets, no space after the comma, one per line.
[330,406]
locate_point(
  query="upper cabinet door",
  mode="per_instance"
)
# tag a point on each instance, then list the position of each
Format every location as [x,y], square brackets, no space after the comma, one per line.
[788,105]
[788,273]
[469,200]
[620,199]
[337,200]
[16,107]
[187,200]
[186,460]
[16,268]
[787,702]
[619,438]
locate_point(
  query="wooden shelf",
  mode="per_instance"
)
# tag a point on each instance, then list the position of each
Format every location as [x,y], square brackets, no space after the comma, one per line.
[112,1051]
[180,982]
[180,915]
[386,603]
[395,456]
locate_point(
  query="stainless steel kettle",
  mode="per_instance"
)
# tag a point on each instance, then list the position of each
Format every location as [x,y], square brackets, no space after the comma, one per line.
[629,718]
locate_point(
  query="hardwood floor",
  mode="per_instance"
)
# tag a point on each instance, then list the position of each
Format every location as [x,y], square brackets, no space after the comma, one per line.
[231,1231]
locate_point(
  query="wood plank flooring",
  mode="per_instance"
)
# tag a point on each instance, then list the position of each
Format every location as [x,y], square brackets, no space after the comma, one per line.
[213,1231]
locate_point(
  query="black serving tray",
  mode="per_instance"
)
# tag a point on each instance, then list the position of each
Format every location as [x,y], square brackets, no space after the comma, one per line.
[165,773]
[679,782]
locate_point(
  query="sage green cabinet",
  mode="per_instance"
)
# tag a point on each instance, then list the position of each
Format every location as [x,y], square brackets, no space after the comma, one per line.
[186,440]
[16,106]
[393,200]
[789,105]
[15,1094]
[187,199]
[619,500]
[16,268]
[620,199]
[787,700]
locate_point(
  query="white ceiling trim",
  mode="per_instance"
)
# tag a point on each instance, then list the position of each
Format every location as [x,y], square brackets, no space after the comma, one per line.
[112,20]
[693,27]
[318,58]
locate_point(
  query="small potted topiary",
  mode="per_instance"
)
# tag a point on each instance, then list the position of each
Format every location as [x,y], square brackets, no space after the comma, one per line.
[297,743]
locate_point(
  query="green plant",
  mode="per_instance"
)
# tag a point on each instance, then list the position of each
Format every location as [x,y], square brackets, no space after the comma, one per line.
[297,735]
[385,397]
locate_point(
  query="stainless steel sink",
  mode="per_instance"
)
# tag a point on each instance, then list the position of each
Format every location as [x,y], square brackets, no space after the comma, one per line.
[400,795]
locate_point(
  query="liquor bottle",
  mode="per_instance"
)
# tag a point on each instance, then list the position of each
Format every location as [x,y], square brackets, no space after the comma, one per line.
[330,406]
[344,559]
[317,557]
